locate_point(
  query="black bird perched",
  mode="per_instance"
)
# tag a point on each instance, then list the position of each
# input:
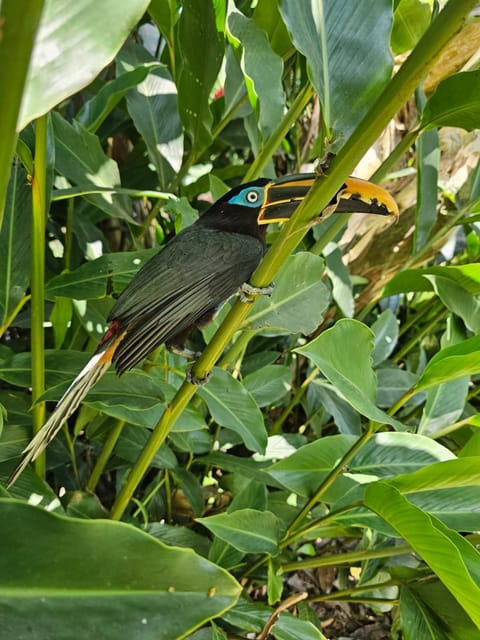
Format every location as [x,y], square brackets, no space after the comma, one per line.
[200,268]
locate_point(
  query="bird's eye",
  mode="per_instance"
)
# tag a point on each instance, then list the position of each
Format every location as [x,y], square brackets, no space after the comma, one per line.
[252,196]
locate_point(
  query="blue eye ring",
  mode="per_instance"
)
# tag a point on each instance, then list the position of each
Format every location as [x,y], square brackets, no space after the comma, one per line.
[249,197]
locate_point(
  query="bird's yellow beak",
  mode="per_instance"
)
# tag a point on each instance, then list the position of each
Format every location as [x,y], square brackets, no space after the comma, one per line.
[283,196]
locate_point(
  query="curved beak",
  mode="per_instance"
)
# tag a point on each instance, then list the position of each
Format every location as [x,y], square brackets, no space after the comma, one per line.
[283,196]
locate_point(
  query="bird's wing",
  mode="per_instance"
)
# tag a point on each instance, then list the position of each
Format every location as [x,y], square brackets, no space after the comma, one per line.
[190,277]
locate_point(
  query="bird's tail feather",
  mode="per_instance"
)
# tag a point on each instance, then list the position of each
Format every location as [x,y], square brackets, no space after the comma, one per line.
[98,364]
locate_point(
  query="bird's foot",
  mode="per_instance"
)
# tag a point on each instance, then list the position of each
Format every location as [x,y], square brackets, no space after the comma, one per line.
[192,378]
[247,293]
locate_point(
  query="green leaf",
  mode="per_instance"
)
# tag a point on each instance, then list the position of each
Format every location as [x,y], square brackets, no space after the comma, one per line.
[428,154]
[321,395]
[200,25]
[54,71]
[385,455]
[455,103]
[60,367]
[80,158]
[417,620]
[153,106]
[343,355]
[135,397]
[253,616]
[232,406]
[94,112]
[304,470]
[393,382]
[342,290]
[325,34]
[248,530]
[459,472]
[18,28]
[92,279]
[466,276]
[458,300]
[385,329]
[131,443]
[444,406]
[298,301]
[446,609]
[126,594]
[262,69]
[453,362]
[267,16]
[268,384]
[15,243]
[455,561]
[411,19]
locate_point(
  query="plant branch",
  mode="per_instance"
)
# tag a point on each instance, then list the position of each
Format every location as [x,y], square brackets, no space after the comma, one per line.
[350,557]
[39,216]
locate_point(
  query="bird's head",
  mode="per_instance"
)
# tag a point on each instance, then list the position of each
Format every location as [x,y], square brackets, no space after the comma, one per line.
[248,207]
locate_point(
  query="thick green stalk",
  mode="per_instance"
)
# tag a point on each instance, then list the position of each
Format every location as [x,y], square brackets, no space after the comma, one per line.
[389,102]
[39,216]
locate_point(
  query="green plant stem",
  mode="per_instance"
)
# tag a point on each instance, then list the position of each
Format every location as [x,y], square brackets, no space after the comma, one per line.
[416,317]
[14,314]
[402,147]
[238,348]
[296,398]
[389,102]
[39,216]
[337,226]
[401,401]
[149,497]
[329,480]
[67,253]
[408,346]
[350,593]
[105,453]
[274,141]
[349,558]
[441,433]
[312,525]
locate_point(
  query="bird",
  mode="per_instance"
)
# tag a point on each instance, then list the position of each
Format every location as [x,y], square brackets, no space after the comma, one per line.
[192,275]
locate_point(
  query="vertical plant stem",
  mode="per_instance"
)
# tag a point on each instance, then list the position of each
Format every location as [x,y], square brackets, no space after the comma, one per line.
[105,453]
[274,141]
[296,398]
[157,438]
[39,216]
[67,252]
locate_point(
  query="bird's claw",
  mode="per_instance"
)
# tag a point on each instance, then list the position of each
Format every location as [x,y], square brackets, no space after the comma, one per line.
[247,293]
[192,378]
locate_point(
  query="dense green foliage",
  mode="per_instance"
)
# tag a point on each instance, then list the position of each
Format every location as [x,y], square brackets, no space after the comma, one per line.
[343,411]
